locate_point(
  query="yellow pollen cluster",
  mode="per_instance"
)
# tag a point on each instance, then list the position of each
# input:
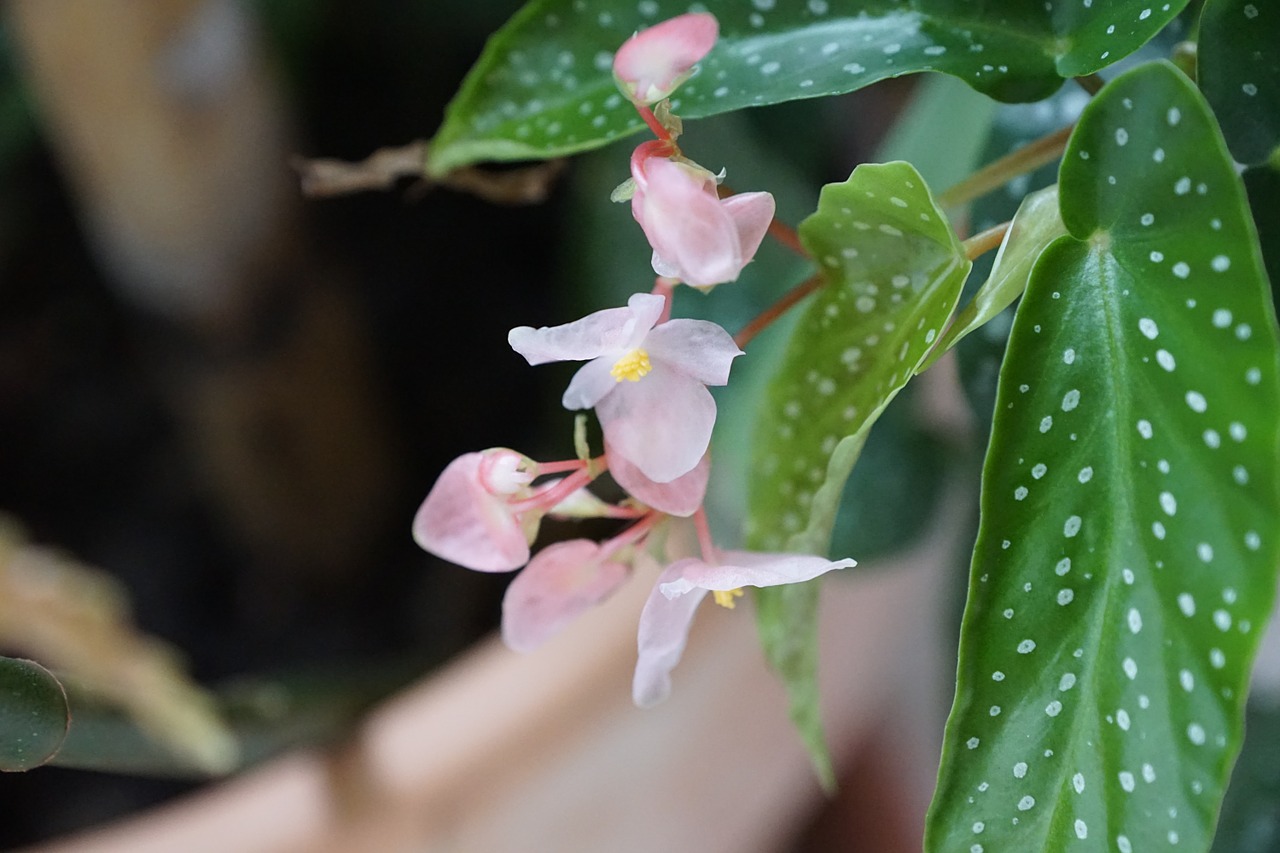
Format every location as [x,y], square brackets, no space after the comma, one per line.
[631,366]
[725,597]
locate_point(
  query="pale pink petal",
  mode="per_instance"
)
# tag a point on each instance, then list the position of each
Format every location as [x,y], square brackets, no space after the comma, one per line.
[687,225]
[661,424]
[664,630]
[651,64]
[462,522]
[745,568]
[589,385]
[563,581]
[680,497]
[648,308]
[697,348]
[751,213]
[606,331]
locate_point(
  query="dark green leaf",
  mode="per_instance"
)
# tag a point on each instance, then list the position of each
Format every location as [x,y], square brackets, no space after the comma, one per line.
[1239,69]
[544,85]
[33,714]
[1126,561]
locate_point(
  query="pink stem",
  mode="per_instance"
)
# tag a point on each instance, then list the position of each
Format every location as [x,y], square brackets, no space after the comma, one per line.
[632,534]
[656,126]
[560,467]
[708,547]
[553,494]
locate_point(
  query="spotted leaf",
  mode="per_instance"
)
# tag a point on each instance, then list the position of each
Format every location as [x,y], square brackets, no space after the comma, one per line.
[33,714]
[1125,562]
[893,270]
[544,85]
[1239,71]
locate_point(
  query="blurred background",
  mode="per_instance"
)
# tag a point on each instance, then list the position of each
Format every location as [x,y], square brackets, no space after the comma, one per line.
[229,400]
[226,401]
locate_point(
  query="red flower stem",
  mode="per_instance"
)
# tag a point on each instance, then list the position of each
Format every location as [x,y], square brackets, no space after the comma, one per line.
[705,543]
[561,467]
[632,534]
[776,310]
[654,125]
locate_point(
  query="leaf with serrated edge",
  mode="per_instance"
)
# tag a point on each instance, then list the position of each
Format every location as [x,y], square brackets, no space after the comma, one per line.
[893,270]
[1125,564]
[1035,226]
[33,714]
[1238,63]
[544,85]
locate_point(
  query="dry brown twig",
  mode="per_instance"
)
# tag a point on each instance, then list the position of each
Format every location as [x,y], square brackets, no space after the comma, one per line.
[325,177]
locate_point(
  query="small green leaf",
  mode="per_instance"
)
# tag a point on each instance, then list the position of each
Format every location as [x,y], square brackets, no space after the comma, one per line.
[1036,225]
[33,714]
[1239,69]
[1126,559]
[544,85]
[893,270]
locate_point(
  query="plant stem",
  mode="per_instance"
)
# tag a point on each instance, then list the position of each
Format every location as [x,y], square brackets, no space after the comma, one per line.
[1027,158]
[1091,83]
[656,126]
[981,243]
[787,236]
[776,310]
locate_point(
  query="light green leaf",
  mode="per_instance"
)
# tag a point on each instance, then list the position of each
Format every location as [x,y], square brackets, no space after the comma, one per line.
[544,85]
[1239,69]
[1126,560]
[1035,226]
[33,714]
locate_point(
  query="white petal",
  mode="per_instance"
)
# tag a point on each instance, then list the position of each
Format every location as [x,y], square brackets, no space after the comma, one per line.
[699,349]
[664,630]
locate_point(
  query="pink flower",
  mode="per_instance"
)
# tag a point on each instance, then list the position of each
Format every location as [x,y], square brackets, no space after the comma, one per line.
[646,380]
[483,511]
[667,615]
[561,583]
[696,236]
[680,497]
[650,65]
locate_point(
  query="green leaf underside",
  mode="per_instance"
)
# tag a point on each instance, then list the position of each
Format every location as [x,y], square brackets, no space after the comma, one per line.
[1036,225]
[1239,69]
[894,270]
[1125,564]
[33,714]
[544,85]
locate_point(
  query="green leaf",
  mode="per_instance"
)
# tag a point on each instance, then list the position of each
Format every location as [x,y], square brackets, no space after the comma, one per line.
[1239,69]
[893,270]
[1248,822]
[544,85]
[1035,226]
[33,714]
[1125,563]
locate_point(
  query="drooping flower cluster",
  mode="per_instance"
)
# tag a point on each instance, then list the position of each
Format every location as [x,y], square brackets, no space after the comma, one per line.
[646,377]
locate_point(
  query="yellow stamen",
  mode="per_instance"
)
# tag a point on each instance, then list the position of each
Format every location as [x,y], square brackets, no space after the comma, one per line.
[631,366]
[725,597]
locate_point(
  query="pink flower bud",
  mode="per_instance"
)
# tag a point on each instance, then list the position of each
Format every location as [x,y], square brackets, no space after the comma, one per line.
[651,64]
[696,236]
